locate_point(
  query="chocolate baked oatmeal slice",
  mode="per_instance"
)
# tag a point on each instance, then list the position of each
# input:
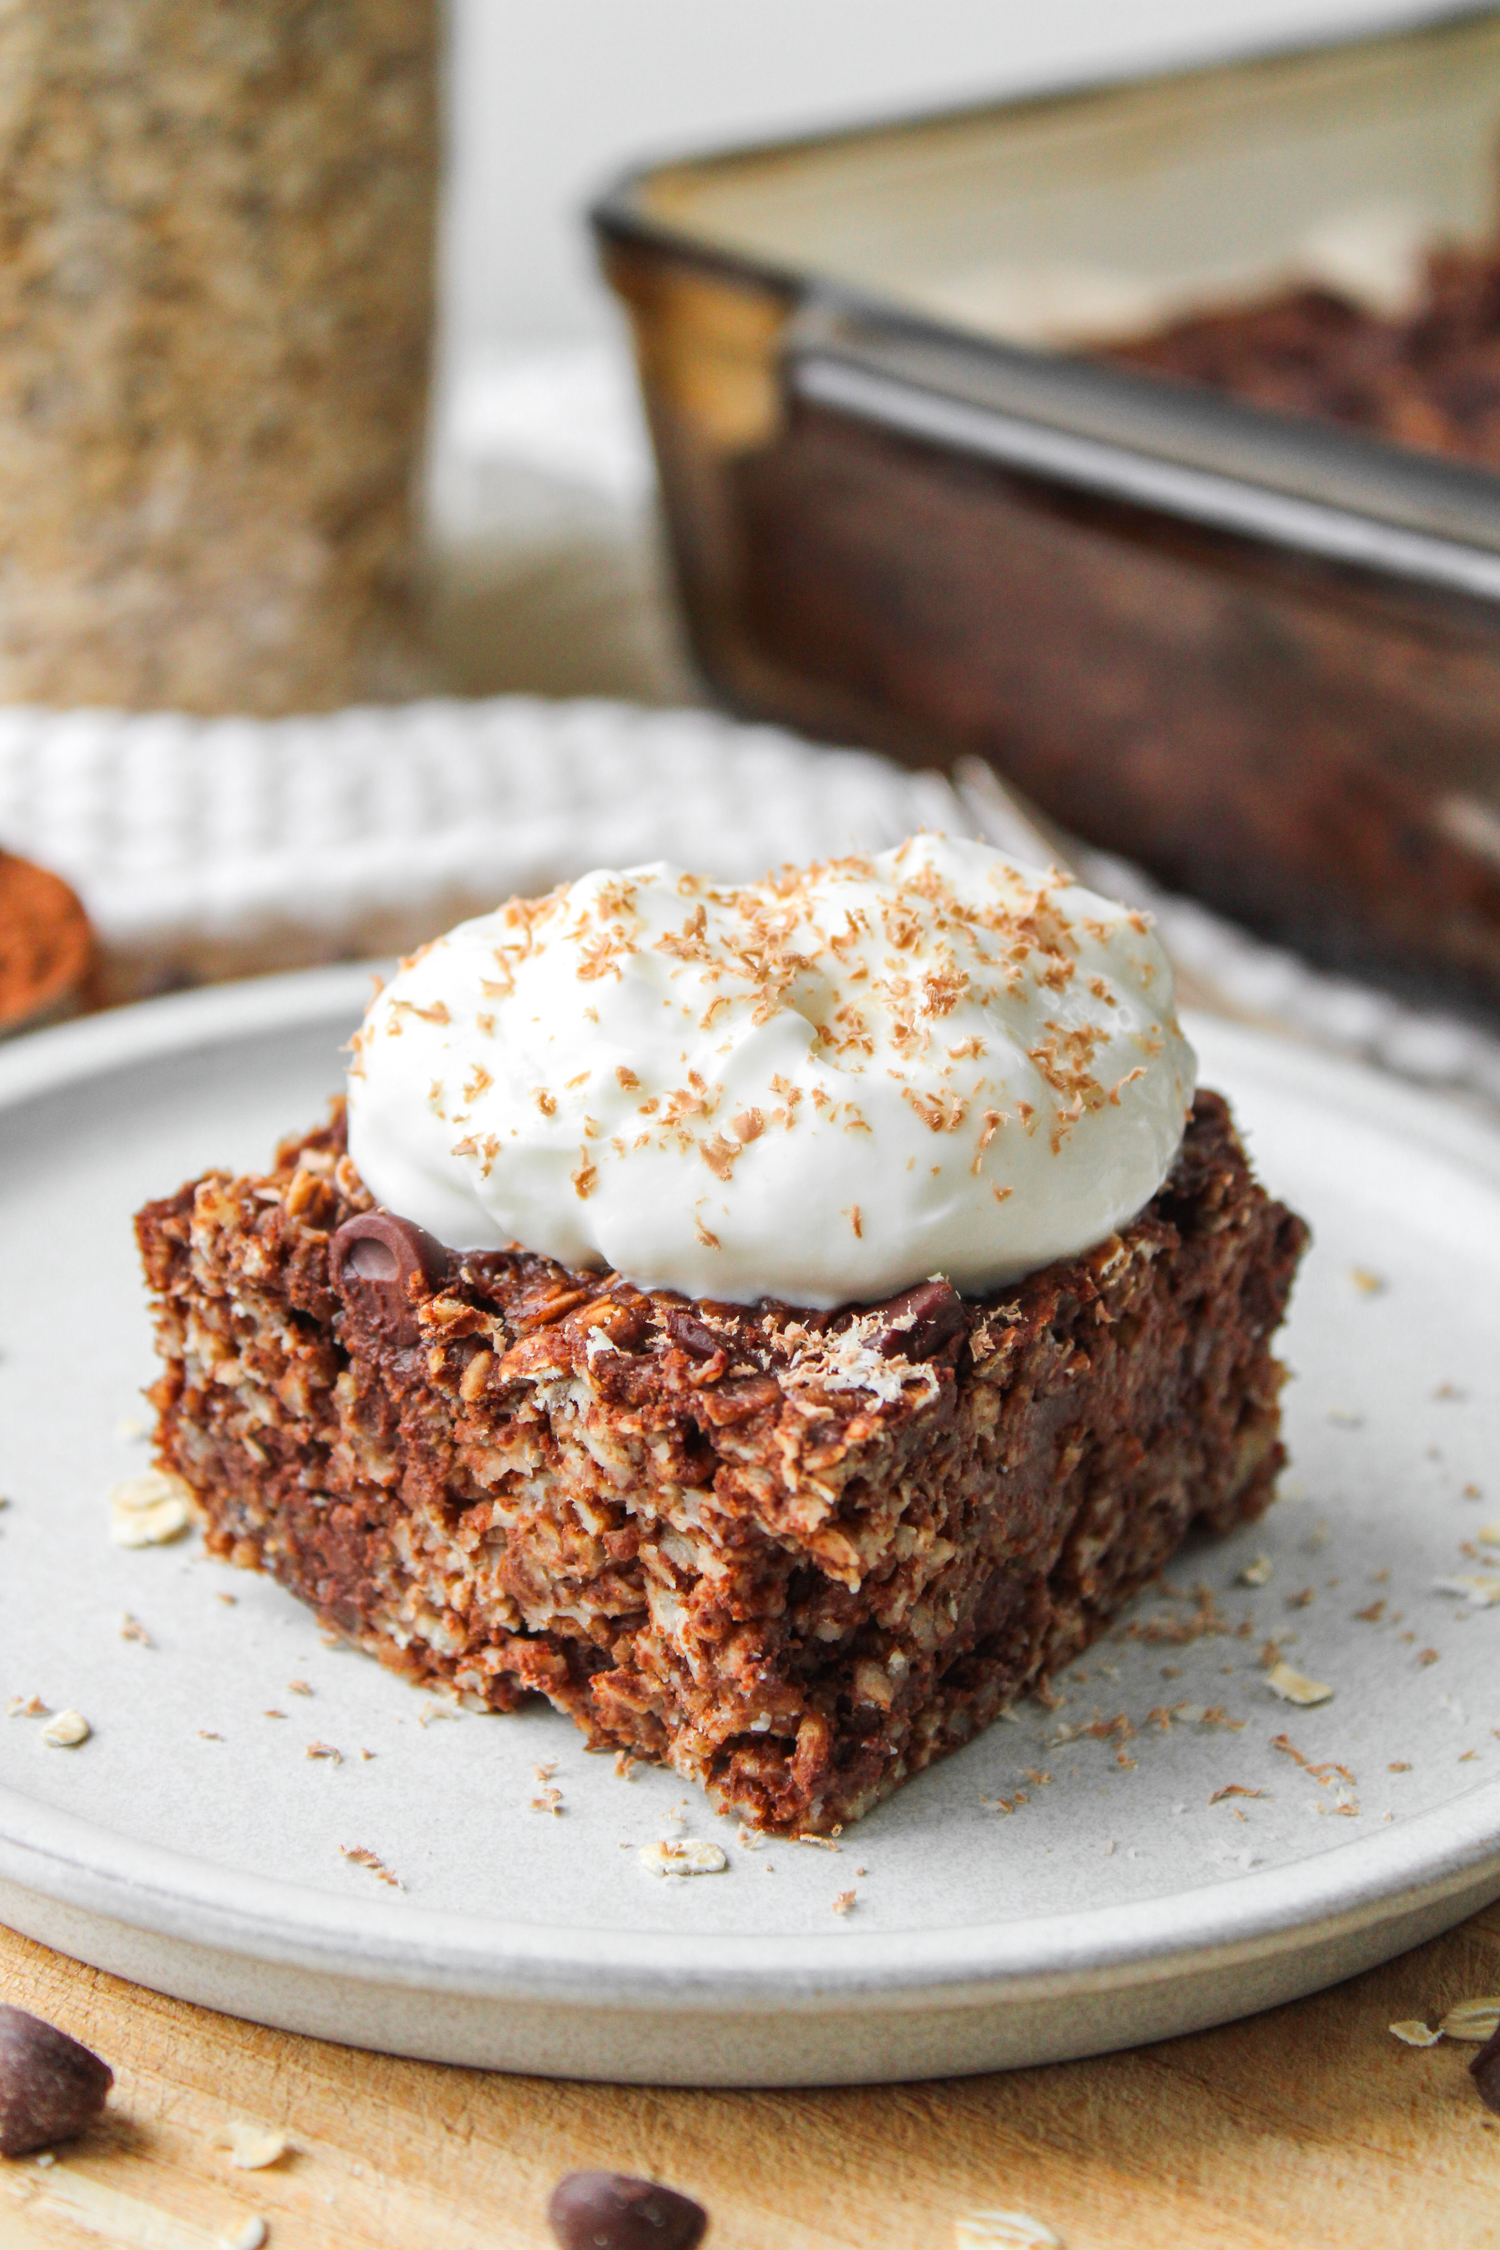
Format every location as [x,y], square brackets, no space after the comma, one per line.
[796,1556]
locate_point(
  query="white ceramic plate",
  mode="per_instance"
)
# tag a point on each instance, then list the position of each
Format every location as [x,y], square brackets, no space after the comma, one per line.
[192,1844]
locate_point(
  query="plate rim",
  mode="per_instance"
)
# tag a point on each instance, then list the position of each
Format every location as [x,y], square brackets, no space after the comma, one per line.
[1447,1849]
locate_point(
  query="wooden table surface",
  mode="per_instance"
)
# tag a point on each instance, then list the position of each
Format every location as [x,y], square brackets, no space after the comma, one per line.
[1309,2125]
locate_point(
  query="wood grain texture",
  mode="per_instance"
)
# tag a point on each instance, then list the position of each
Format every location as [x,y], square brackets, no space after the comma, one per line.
[1305,2126]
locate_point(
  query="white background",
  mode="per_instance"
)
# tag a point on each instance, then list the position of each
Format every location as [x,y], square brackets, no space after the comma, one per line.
[551,98]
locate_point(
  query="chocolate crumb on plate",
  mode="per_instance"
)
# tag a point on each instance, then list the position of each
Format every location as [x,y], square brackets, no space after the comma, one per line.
[612,2211]
[51,2086]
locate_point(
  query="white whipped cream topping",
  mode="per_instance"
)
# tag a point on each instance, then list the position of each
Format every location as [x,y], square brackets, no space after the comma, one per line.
[821,1087]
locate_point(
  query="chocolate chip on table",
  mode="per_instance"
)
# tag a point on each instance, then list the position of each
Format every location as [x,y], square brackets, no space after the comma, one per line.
[611,2211]
[50,2086]
[373,1261]
[920,1321]
[1486,2070]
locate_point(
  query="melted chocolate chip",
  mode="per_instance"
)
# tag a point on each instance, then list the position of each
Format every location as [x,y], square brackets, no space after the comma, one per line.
[693,1335]
[920,1321]
[609,2211]
[50,2086]
[1486,2069]
[373,1261]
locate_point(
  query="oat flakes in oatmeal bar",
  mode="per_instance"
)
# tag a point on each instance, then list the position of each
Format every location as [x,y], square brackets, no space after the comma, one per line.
[795,1557]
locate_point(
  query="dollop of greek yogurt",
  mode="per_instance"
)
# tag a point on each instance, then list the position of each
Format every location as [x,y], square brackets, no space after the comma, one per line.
[821,1087]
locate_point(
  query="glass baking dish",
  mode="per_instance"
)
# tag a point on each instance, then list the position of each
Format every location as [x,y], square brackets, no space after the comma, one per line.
[1259,655]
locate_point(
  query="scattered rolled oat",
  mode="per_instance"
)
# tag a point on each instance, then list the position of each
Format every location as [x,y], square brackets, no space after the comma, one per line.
[1256,1573]
[149,1510]
[1368,1284]
[1481,1589]
[66,1731]
[131,1629]
[1296,1687]
[1488,1534]
[26,1707]
[298,1687]
[682,1855]
[1477,2020]
[1412,2033]
[844,1903]
[324,1750]
[251,2234]
[1003,2230]
[253,2147]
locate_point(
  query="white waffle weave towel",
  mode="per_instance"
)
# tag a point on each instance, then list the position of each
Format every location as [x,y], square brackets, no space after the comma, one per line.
[208,848]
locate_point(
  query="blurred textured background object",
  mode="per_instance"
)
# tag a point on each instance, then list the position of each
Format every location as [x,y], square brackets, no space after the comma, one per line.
[47,955]
[216,309]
